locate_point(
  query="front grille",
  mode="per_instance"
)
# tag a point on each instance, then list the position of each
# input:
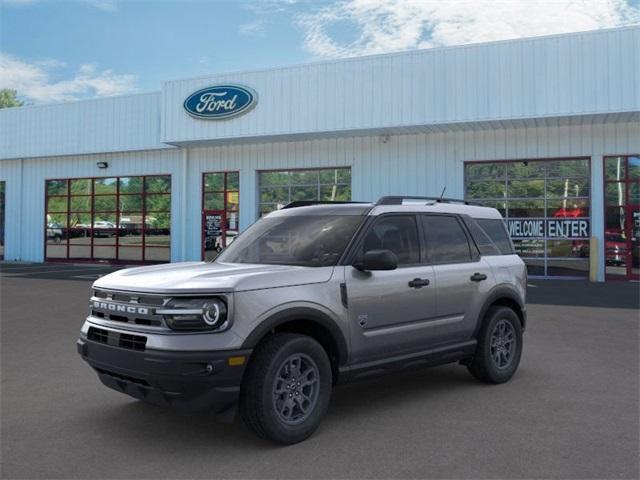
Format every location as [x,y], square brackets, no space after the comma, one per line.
[130,308]
[98,335]
[133,342]
[130,297]
[116,339]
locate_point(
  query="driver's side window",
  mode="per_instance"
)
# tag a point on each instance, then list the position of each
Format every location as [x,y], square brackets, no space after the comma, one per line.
[396,233]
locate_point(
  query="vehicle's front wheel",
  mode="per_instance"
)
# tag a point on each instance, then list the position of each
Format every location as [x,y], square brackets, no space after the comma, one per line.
[287,388]
[499,346]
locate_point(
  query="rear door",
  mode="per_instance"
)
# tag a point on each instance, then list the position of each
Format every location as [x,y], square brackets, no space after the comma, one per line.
[390,311]
[462,277]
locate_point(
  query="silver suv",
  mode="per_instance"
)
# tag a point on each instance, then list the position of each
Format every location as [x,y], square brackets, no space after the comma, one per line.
[310,296]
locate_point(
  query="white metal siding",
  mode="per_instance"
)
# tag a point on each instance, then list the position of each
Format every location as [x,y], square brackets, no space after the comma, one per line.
[558,76]
[115,124]
[25,193]
[593,76]
[416,164]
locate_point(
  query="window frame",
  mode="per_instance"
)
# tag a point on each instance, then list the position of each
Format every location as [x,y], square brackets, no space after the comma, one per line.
[474,251]
[468,218]
[289,185]
[627,207]
[91,195]
[225,207]
[3,216]
[354,247]
[365,228]
[546,177]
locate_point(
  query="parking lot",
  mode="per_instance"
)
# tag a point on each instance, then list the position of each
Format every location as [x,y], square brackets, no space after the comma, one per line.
[570,412]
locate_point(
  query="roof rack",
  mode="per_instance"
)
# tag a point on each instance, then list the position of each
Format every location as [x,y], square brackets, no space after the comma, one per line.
[308,203]
[398,199]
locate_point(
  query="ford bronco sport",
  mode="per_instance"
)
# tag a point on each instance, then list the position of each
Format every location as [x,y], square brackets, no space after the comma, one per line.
[309,296]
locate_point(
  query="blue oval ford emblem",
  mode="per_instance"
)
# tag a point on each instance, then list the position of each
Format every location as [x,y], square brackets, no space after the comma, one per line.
[220,101]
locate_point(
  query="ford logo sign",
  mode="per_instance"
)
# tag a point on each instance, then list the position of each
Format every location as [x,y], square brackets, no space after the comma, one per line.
[220,101]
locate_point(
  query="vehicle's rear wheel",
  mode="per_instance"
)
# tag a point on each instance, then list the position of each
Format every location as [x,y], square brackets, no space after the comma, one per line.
[286,388]
[499,346]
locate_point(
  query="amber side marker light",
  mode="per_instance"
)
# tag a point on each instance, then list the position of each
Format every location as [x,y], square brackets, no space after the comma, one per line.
[236,361]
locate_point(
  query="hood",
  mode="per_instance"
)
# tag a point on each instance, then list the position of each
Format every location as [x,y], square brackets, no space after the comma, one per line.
[201,277]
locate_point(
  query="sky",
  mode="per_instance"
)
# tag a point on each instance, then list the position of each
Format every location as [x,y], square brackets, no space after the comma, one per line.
[57,50]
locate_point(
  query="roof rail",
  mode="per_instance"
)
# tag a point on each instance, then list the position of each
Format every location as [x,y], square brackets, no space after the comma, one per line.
[398,199]
[308,203]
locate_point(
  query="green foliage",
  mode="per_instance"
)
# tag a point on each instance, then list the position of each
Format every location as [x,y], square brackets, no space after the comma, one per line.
[8,98]
[282,187]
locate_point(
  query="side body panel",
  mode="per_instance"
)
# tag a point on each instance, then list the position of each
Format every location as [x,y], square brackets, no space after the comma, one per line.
[256,308]
[460,299]
[386,315]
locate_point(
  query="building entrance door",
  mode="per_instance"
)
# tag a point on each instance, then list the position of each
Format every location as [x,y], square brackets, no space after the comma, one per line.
[622,217]
[220,211]
[634,273]
[213,232]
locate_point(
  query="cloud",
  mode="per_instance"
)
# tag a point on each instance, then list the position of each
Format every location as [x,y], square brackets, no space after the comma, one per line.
[34,82]
[104,5]
[379,26]
[270,6]
[252,28]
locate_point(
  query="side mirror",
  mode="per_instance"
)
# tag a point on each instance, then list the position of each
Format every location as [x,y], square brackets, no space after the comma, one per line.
[377,260]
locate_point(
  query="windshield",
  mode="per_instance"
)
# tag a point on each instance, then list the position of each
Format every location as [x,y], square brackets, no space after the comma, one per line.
[309,241]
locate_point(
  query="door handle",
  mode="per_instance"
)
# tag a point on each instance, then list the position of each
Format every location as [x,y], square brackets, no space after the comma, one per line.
[478,277]
[419,282]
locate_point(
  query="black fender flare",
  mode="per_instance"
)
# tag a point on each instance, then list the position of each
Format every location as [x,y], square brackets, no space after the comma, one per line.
[300,313]
[498,293]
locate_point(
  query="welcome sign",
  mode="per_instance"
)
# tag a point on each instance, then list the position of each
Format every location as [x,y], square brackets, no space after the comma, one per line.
[220,102]
[550,228]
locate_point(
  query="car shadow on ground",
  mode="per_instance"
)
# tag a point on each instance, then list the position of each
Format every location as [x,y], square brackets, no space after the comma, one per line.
[192,432]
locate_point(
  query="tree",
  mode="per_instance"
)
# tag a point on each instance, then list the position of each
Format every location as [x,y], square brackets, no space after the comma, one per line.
[8,98]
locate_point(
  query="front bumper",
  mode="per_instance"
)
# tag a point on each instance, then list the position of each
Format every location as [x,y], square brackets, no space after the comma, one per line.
[190,380]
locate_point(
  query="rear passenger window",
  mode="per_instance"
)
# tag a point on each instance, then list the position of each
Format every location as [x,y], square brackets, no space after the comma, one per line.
[484,243]
[396,233]
[497,232]
[445,239]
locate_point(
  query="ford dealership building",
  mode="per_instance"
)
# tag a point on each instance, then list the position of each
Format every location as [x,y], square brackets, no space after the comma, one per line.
[546,129]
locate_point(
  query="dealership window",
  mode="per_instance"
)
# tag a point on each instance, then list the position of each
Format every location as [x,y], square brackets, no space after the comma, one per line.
[124,219]
[2,189]
[622,216]
[220,211]
[546,205]
[277,188]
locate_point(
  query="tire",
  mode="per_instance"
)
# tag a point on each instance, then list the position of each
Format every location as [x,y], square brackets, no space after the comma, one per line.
[274,409]
[497,364]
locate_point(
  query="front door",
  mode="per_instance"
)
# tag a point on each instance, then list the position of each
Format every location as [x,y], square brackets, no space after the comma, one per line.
[220,220]
[389,313]
[213,233]
[622,217]
[634,244]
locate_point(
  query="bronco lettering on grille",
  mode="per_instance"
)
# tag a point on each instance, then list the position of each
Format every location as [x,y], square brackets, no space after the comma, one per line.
[117,307]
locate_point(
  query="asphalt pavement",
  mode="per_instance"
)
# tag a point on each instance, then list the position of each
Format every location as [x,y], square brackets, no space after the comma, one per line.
[571,411]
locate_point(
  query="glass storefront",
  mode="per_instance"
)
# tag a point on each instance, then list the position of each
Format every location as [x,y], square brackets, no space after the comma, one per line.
[546,205]
[124,219]
[277,188]
[622,217]
[2,227]
[220,211]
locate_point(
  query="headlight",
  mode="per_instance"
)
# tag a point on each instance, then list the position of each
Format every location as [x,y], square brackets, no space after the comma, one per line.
[195,314]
